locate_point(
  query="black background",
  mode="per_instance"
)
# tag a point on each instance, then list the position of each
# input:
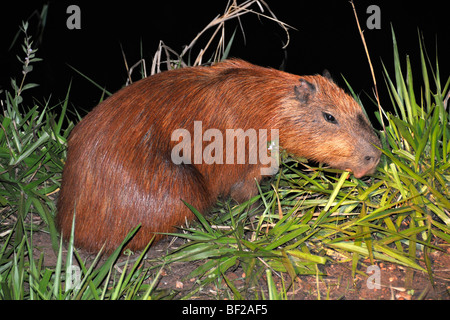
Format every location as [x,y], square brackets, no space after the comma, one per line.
[326,38]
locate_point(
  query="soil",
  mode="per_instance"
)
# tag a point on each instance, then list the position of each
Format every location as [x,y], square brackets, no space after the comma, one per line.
[396,282]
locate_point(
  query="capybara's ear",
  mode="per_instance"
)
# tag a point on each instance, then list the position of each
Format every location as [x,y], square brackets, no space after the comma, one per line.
[304,90]
[327,75]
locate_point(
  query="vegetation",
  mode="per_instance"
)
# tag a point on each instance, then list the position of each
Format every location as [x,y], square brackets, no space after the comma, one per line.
[302,219]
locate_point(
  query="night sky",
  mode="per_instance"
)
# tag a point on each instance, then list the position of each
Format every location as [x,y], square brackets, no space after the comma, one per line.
[326,38]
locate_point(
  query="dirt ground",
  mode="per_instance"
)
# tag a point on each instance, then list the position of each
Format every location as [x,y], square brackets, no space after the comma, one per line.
[395,282]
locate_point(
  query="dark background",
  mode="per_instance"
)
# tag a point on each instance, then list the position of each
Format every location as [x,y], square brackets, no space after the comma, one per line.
[326,38]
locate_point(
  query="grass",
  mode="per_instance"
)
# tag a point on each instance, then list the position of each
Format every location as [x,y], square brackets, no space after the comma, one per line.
[302,219]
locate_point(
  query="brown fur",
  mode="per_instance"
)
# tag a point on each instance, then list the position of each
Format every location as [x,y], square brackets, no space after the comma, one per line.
[119,171]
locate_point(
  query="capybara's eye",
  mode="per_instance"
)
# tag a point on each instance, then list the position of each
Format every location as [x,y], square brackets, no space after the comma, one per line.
[329,118]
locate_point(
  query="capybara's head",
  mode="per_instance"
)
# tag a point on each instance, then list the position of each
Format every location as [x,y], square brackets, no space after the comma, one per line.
[329,126]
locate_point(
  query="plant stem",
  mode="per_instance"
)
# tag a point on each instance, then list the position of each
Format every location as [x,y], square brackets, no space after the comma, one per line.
[370,64]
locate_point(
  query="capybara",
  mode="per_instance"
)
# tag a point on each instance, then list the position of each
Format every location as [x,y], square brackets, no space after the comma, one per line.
[120,170]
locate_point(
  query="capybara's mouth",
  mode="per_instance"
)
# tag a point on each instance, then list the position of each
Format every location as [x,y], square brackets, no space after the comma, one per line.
[364,165]
[361,172]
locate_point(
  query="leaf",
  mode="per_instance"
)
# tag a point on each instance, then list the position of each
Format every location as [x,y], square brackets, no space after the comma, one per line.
[43,138]
[307,256]
[228,48]
[287,237]
[399,257]
[29,86]
[201,218]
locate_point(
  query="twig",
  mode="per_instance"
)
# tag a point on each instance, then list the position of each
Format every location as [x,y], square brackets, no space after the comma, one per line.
[370,64]
[232,10]
[446,100]
[142,61]
[126,65]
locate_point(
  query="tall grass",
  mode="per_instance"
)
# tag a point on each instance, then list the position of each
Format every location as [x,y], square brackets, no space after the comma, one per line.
[417,146]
